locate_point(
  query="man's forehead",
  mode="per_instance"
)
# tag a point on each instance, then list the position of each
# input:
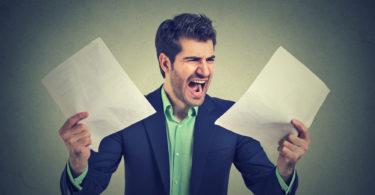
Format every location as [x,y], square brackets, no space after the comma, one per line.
[192,47]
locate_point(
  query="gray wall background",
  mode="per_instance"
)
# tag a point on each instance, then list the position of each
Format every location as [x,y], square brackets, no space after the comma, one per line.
[335,39]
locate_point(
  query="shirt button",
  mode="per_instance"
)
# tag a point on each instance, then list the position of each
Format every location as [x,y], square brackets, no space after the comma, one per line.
[179,125]
[175,182]
[177,154]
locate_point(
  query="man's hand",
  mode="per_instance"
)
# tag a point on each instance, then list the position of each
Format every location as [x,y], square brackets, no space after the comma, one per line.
[291,149]
[77,140]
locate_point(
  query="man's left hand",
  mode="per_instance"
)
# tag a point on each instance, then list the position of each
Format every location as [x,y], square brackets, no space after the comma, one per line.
[291,149]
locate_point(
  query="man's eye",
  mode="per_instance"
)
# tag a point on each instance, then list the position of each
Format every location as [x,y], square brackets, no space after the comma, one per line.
[194,60]
[210,59]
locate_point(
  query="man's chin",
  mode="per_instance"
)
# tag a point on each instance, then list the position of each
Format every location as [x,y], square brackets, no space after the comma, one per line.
[197,101]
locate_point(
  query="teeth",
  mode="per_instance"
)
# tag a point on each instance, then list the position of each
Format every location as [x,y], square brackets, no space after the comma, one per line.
[199,88]
[200,82]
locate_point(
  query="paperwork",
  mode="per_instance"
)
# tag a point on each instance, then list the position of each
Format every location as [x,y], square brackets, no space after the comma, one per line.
[284,90]
[92,80]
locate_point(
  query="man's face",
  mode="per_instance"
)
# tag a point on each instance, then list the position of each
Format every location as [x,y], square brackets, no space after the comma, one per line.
[192,71]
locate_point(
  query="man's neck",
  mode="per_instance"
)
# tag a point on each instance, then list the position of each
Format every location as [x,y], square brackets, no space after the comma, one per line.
[180,113]
[180,109]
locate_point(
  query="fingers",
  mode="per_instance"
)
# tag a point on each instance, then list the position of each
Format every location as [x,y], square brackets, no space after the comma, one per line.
[81,144]
[78,142]
[67,134]
[290,151]
[70,122]
[293,147]
[80,151]
[77,139]
[71,129]
[86,141]
[298,141]
[302,130]
[76,136]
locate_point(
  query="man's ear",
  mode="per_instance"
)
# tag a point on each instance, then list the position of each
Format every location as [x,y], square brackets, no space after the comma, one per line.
[165,63]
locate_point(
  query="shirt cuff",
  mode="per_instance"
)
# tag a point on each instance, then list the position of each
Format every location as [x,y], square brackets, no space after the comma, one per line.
[282,183]
[78,180]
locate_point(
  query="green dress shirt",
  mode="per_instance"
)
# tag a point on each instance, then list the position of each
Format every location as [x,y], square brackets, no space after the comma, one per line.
[180,146]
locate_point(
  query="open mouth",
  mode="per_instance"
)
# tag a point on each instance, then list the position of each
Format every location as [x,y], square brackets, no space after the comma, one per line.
[197,87]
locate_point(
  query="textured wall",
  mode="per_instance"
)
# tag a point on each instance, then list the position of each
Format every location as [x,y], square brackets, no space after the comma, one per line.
[335,39]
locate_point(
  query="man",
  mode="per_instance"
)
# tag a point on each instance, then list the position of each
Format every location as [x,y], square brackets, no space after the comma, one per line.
[179,150]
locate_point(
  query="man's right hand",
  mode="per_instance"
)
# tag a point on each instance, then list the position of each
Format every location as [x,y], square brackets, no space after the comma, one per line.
[77,139]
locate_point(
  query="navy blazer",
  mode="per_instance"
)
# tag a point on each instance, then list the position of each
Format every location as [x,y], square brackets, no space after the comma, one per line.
[145,150]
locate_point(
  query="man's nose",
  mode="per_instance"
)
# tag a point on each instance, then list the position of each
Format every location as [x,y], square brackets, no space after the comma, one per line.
[203,69]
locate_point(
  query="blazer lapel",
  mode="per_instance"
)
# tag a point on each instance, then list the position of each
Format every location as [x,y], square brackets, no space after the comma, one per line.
[156,131]
[203,134]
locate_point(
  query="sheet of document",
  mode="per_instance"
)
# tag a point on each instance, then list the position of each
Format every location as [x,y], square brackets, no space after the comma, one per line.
[92,80]
[284,90]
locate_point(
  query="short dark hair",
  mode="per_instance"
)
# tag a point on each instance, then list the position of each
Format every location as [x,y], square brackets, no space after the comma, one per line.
[191,26]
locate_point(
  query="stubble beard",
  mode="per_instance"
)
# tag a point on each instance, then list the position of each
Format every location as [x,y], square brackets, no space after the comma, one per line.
[179,90]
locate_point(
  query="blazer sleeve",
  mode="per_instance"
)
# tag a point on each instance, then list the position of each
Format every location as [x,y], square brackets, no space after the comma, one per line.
[256,169]
[102,164]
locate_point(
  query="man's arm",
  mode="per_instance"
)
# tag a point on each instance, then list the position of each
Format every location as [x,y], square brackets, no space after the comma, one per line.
[77,140]
[76,181]
[101,164]
[286,187]
[291,149]
[256,169]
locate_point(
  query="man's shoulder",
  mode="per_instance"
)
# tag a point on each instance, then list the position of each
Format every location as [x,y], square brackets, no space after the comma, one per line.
[220,103]
[217,105]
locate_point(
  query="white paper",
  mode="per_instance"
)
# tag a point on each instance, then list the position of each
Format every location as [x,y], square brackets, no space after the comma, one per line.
[92,80]
[284,90]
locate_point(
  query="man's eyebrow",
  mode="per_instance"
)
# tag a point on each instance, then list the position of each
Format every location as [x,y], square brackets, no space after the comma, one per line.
[197,58]
[192,58]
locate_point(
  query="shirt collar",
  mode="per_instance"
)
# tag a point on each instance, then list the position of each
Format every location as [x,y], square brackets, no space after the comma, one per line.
[168,109]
